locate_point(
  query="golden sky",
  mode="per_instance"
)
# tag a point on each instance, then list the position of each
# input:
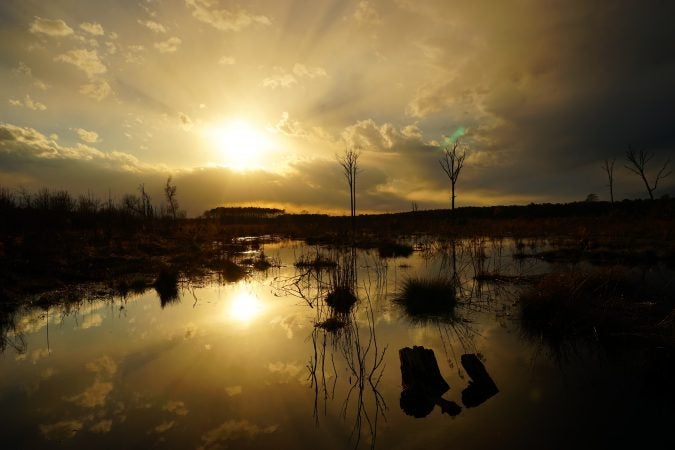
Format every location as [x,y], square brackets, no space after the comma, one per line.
[249,102]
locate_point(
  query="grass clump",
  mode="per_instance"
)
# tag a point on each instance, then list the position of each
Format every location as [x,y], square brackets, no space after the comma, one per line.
[332,324]
[166,286]
[341,299]
[425,298]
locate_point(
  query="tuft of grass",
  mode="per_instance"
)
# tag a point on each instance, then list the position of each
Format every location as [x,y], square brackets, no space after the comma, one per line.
[341,299]
[428,298]
[166,286]
[332,324]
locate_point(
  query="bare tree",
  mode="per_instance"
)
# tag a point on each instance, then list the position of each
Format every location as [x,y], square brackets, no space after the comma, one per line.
[146,204]
[170,192]
[638,165]
[349,162]
[608,166]
[452,163]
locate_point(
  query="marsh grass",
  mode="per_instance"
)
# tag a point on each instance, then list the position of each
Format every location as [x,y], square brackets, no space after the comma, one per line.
[428,298]
[602,305]
[166,286]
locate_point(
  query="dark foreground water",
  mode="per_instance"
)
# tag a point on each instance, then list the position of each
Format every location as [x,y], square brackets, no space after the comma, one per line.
[242,365]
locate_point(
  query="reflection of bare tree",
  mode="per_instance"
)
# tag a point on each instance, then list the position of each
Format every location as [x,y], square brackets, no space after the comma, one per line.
[339,333]
[10,336]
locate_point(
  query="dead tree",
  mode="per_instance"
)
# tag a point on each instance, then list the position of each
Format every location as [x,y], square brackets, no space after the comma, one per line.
[608,166]
[349,162]
[638,165]
[170,192]
[452,163]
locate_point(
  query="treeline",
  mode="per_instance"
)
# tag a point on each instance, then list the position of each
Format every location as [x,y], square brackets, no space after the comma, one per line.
[61,201]
[234,212]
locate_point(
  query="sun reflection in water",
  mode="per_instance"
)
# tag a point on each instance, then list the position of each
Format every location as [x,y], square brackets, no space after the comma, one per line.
[244,307]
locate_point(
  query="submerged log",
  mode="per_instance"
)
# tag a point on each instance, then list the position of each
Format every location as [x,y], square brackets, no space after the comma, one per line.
[423,383]
[481,387]
[419,370]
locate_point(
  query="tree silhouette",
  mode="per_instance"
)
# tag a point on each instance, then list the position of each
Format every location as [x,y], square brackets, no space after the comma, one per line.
[608,166]
[638,165]
[170,192]
[452,163]
[349,162]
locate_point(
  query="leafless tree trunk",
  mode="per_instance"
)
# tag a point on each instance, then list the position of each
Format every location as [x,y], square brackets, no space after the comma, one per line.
[349,162]
[638,165]
[170,192]
[145,201]
[609,169]
[452,163]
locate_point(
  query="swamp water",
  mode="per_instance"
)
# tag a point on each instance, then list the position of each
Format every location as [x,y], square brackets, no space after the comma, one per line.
[267,363]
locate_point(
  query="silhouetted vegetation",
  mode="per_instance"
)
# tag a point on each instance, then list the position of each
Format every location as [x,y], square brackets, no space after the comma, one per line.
[423,299]
[166,286]
[600,305]
[49,239]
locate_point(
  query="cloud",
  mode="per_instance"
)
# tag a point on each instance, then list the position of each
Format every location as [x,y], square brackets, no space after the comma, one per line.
[153,26]
[234,390]
[87,61]
[302,71]
[285,79]
[95,395]
[96,89]
[290,370]
[185,121]
[366,14]
[281,79]
[168,46]
[226,61]
[177,407]
[232,430]
[104,366]
[23,71]
[29,103]
[102,426]
[28,143]
[92,320]
[92,28]
[58,431]
[222,19]
[87,136]
[164,427]
[50,27]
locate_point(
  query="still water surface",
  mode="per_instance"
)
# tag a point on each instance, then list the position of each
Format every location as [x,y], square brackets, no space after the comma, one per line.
[242,365]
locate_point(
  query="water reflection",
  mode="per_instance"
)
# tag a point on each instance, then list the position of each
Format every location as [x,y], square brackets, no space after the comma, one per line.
[243,307]
[341,338]
[304,351]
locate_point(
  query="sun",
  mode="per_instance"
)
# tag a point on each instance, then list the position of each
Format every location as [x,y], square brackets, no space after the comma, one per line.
[240,145]
[244,307]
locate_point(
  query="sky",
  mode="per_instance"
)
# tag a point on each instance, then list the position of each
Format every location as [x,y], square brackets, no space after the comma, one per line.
[249,102]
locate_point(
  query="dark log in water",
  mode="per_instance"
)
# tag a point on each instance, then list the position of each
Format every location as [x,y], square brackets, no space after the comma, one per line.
[419,370]
[423,383]
[481,387]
